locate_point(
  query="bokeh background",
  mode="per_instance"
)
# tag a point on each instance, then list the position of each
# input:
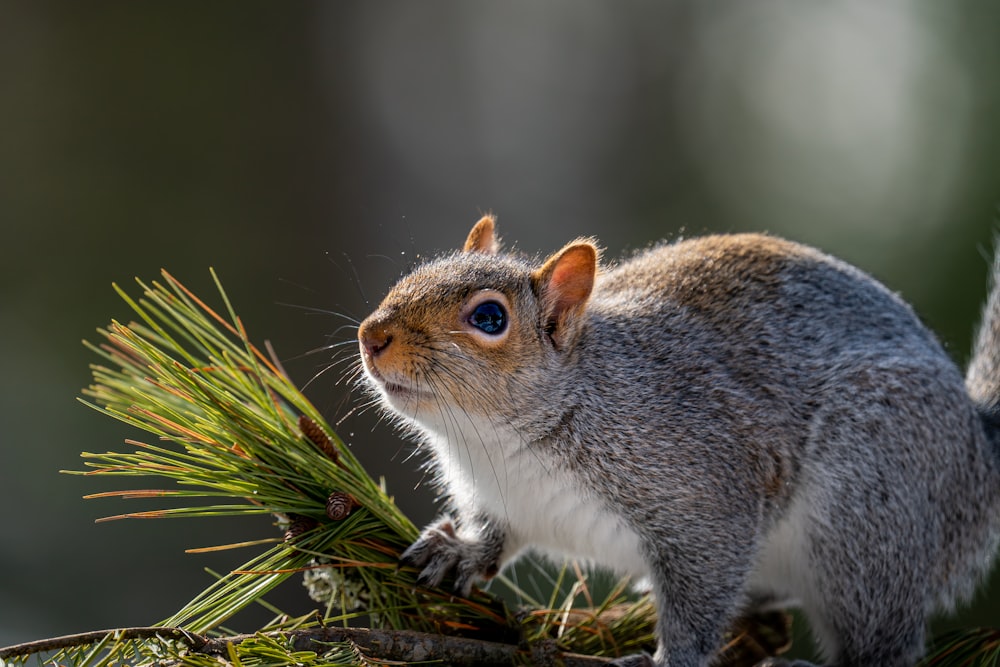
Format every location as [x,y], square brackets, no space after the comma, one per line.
[311,152]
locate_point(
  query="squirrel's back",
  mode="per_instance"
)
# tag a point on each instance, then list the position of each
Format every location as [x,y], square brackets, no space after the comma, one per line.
[750,288]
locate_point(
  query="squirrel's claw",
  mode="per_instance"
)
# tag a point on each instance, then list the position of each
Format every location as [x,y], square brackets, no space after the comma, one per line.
[440,552]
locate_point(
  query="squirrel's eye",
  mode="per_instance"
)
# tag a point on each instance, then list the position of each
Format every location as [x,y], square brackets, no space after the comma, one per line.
[489,317]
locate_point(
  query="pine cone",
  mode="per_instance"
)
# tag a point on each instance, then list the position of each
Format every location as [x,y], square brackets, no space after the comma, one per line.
[339,505]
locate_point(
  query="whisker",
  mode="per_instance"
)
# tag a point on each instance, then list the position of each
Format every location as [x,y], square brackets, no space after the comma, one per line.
[357,409]
[352,376]
[487,409]
[298,286]
[345,327]
[313,310]
[324,348]
[482,442]
[357,280]
[321,372]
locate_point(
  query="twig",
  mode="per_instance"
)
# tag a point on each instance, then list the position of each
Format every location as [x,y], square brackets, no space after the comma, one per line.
[85,638]
[411,646]
[391,645]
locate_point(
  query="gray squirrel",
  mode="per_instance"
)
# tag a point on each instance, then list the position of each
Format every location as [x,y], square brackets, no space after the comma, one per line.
[739,419]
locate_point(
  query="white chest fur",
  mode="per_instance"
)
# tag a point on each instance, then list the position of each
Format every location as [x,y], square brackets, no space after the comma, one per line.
[487,468]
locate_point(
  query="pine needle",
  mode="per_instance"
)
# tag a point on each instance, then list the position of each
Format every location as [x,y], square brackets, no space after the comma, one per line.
[231,428]
[971,647]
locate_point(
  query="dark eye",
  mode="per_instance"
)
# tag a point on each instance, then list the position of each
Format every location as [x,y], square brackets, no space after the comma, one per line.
[489,317]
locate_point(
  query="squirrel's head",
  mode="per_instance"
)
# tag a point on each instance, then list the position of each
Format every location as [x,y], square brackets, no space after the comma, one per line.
[468,329]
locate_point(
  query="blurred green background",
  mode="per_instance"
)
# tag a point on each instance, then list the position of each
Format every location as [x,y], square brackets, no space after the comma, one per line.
[311,151]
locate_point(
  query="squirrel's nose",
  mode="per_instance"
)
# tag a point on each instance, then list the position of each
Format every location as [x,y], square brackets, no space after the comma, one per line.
[373,339]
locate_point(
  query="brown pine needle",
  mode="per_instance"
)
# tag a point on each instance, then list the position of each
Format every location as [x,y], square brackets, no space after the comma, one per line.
[235,545]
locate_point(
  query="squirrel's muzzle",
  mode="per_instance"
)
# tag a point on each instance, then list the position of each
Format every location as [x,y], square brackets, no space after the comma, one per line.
[373,339]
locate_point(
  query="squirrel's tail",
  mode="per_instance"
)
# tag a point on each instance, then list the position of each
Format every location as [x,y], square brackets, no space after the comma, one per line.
[983,376]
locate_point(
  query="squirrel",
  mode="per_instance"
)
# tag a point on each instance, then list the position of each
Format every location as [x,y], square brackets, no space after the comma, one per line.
[738,419]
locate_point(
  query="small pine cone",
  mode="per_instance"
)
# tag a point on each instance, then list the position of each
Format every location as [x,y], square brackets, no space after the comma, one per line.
[299,524]
[318,437]
[339,505]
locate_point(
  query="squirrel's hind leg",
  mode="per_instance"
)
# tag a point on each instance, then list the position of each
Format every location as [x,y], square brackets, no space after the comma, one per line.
[872,534]
[869,601]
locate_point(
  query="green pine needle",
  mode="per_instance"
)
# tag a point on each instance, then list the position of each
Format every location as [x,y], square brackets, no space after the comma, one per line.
[972,647]
[232,429]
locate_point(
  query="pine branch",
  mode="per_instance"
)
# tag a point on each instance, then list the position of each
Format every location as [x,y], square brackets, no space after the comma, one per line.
[404,646]
[408,646]
[86,638]
[233,429]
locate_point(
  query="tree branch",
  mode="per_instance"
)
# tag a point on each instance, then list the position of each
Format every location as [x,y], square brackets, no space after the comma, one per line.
[396,645]
[411,646]
[85,638]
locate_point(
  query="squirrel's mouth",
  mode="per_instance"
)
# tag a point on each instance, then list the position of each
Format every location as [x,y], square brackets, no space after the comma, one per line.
[403,397]
[392,390]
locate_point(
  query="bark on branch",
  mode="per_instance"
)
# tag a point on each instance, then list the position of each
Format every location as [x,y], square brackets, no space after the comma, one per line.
[85,638]
[397,645]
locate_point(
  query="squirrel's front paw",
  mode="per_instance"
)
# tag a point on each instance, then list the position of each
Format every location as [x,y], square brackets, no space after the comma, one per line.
[439,551]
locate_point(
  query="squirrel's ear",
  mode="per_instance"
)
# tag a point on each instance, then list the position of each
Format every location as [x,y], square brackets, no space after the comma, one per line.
[564,284]
[483,238]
